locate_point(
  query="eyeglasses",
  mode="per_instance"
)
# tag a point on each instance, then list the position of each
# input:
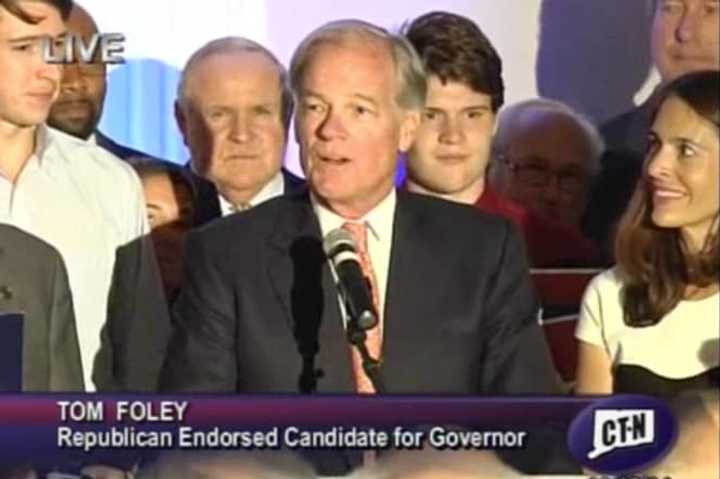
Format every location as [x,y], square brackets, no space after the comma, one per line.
[530,172]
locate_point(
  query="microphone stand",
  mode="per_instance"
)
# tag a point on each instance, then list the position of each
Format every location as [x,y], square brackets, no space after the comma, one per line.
[357,337]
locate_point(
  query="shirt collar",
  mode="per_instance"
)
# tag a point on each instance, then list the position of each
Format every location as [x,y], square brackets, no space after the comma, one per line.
[275,187]
[43,140]
[379,220]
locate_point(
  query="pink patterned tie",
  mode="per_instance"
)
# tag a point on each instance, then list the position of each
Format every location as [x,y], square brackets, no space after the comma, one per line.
[363,385]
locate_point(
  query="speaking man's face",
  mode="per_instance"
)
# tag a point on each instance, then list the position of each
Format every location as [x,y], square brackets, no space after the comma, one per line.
[349,125]
[28,85]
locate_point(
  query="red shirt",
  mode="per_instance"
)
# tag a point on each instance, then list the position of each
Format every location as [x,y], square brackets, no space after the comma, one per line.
[549,242]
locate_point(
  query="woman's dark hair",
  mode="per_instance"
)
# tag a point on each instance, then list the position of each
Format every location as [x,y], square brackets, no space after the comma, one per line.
[179,177]
[656,264]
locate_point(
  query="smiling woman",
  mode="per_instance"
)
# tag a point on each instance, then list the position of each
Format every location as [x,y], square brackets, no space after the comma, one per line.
[650,325]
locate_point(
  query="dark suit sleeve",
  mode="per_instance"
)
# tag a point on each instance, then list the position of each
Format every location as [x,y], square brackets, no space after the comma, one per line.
[202,355]
[65,365]
[517,357]
[135,336]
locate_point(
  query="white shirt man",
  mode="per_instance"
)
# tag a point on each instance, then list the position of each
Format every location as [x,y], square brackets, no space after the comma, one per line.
[84,202]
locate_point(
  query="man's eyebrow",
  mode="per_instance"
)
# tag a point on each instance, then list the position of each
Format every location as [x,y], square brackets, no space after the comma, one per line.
[306,92]
[34,38]
[153,206]
[477,107]
[365,98]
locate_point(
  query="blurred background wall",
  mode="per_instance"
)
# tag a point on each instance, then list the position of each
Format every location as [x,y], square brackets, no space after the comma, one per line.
[593,54]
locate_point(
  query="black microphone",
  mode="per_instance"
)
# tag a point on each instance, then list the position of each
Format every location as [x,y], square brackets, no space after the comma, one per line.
[341,249]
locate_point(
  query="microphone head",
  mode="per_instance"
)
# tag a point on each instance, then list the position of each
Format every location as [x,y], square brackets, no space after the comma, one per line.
[336,238]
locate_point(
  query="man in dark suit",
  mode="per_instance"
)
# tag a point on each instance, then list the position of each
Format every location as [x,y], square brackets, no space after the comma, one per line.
[685,38]
[79,106]
[233,110]
[258,311]
[33,282]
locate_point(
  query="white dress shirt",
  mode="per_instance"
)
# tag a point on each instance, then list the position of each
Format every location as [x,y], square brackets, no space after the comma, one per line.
[379,222]
[86,203]
[274,187]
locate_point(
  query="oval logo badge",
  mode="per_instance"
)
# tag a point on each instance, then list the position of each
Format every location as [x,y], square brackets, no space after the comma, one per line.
[622,434]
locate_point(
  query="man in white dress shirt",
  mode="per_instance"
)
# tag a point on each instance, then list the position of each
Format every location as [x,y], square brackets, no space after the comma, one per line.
[81,200]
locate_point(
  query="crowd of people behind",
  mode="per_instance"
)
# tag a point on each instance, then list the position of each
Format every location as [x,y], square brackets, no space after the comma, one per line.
[211,276]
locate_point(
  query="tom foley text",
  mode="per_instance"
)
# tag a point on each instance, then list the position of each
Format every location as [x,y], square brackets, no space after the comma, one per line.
[121,411]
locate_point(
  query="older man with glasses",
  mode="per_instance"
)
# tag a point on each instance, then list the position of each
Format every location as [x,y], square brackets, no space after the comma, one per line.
[546,157]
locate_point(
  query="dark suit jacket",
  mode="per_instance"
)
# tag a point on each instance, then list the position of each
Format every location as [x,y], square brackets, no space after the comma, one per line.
[135,335]
[627,133]
[121,151]
[33,281]
[208,204]
[258,311]
[625,139]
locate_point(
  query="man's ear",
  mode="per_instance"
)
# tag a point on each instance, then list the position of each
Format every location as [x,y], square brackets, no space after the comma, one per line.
[408,129]
[181,120]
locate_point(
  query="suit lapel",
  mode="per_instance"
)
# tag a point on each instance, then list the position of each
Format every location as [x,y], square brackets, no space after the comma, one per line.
[301,279]
[207,201]
[414,278]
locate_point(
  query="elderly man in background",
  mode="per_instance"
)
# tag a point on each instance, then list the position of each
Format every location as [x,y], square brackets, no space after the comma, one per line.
[546,157]
[233,110]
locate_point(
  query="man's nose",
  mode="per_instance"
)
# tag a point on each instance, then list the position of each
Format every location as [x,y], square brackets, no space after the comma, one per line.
[332,127]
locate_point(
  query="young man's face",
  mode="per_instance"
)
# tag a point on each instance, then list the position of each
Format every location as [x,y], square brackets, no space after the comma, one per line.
[452,148]
[28,85]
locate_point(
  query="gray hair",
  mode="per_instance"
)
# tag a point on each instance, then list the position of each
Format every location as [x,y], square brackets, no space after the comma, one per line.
[409,70]
[235,45]
[512,114]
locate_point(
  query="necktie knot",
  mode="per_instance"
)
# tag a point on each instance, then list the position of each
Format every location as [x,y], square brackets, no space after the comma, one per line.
[359,234]
[241,207]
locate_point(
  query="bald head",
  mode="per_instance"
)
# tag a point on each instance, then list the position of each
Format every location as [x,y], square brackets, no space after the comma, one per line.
[79,107]
[81,23]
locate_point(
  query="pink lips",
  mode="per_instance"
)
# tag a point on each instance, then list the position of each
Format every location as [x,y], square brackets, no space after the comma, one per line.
[451,158]
[665,193]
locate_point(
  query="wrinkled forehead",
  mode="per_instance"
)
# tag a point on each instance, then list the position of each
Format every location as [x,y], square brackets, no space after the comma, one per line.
[244,66]
[81,23]
[550,135]
[359,55]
